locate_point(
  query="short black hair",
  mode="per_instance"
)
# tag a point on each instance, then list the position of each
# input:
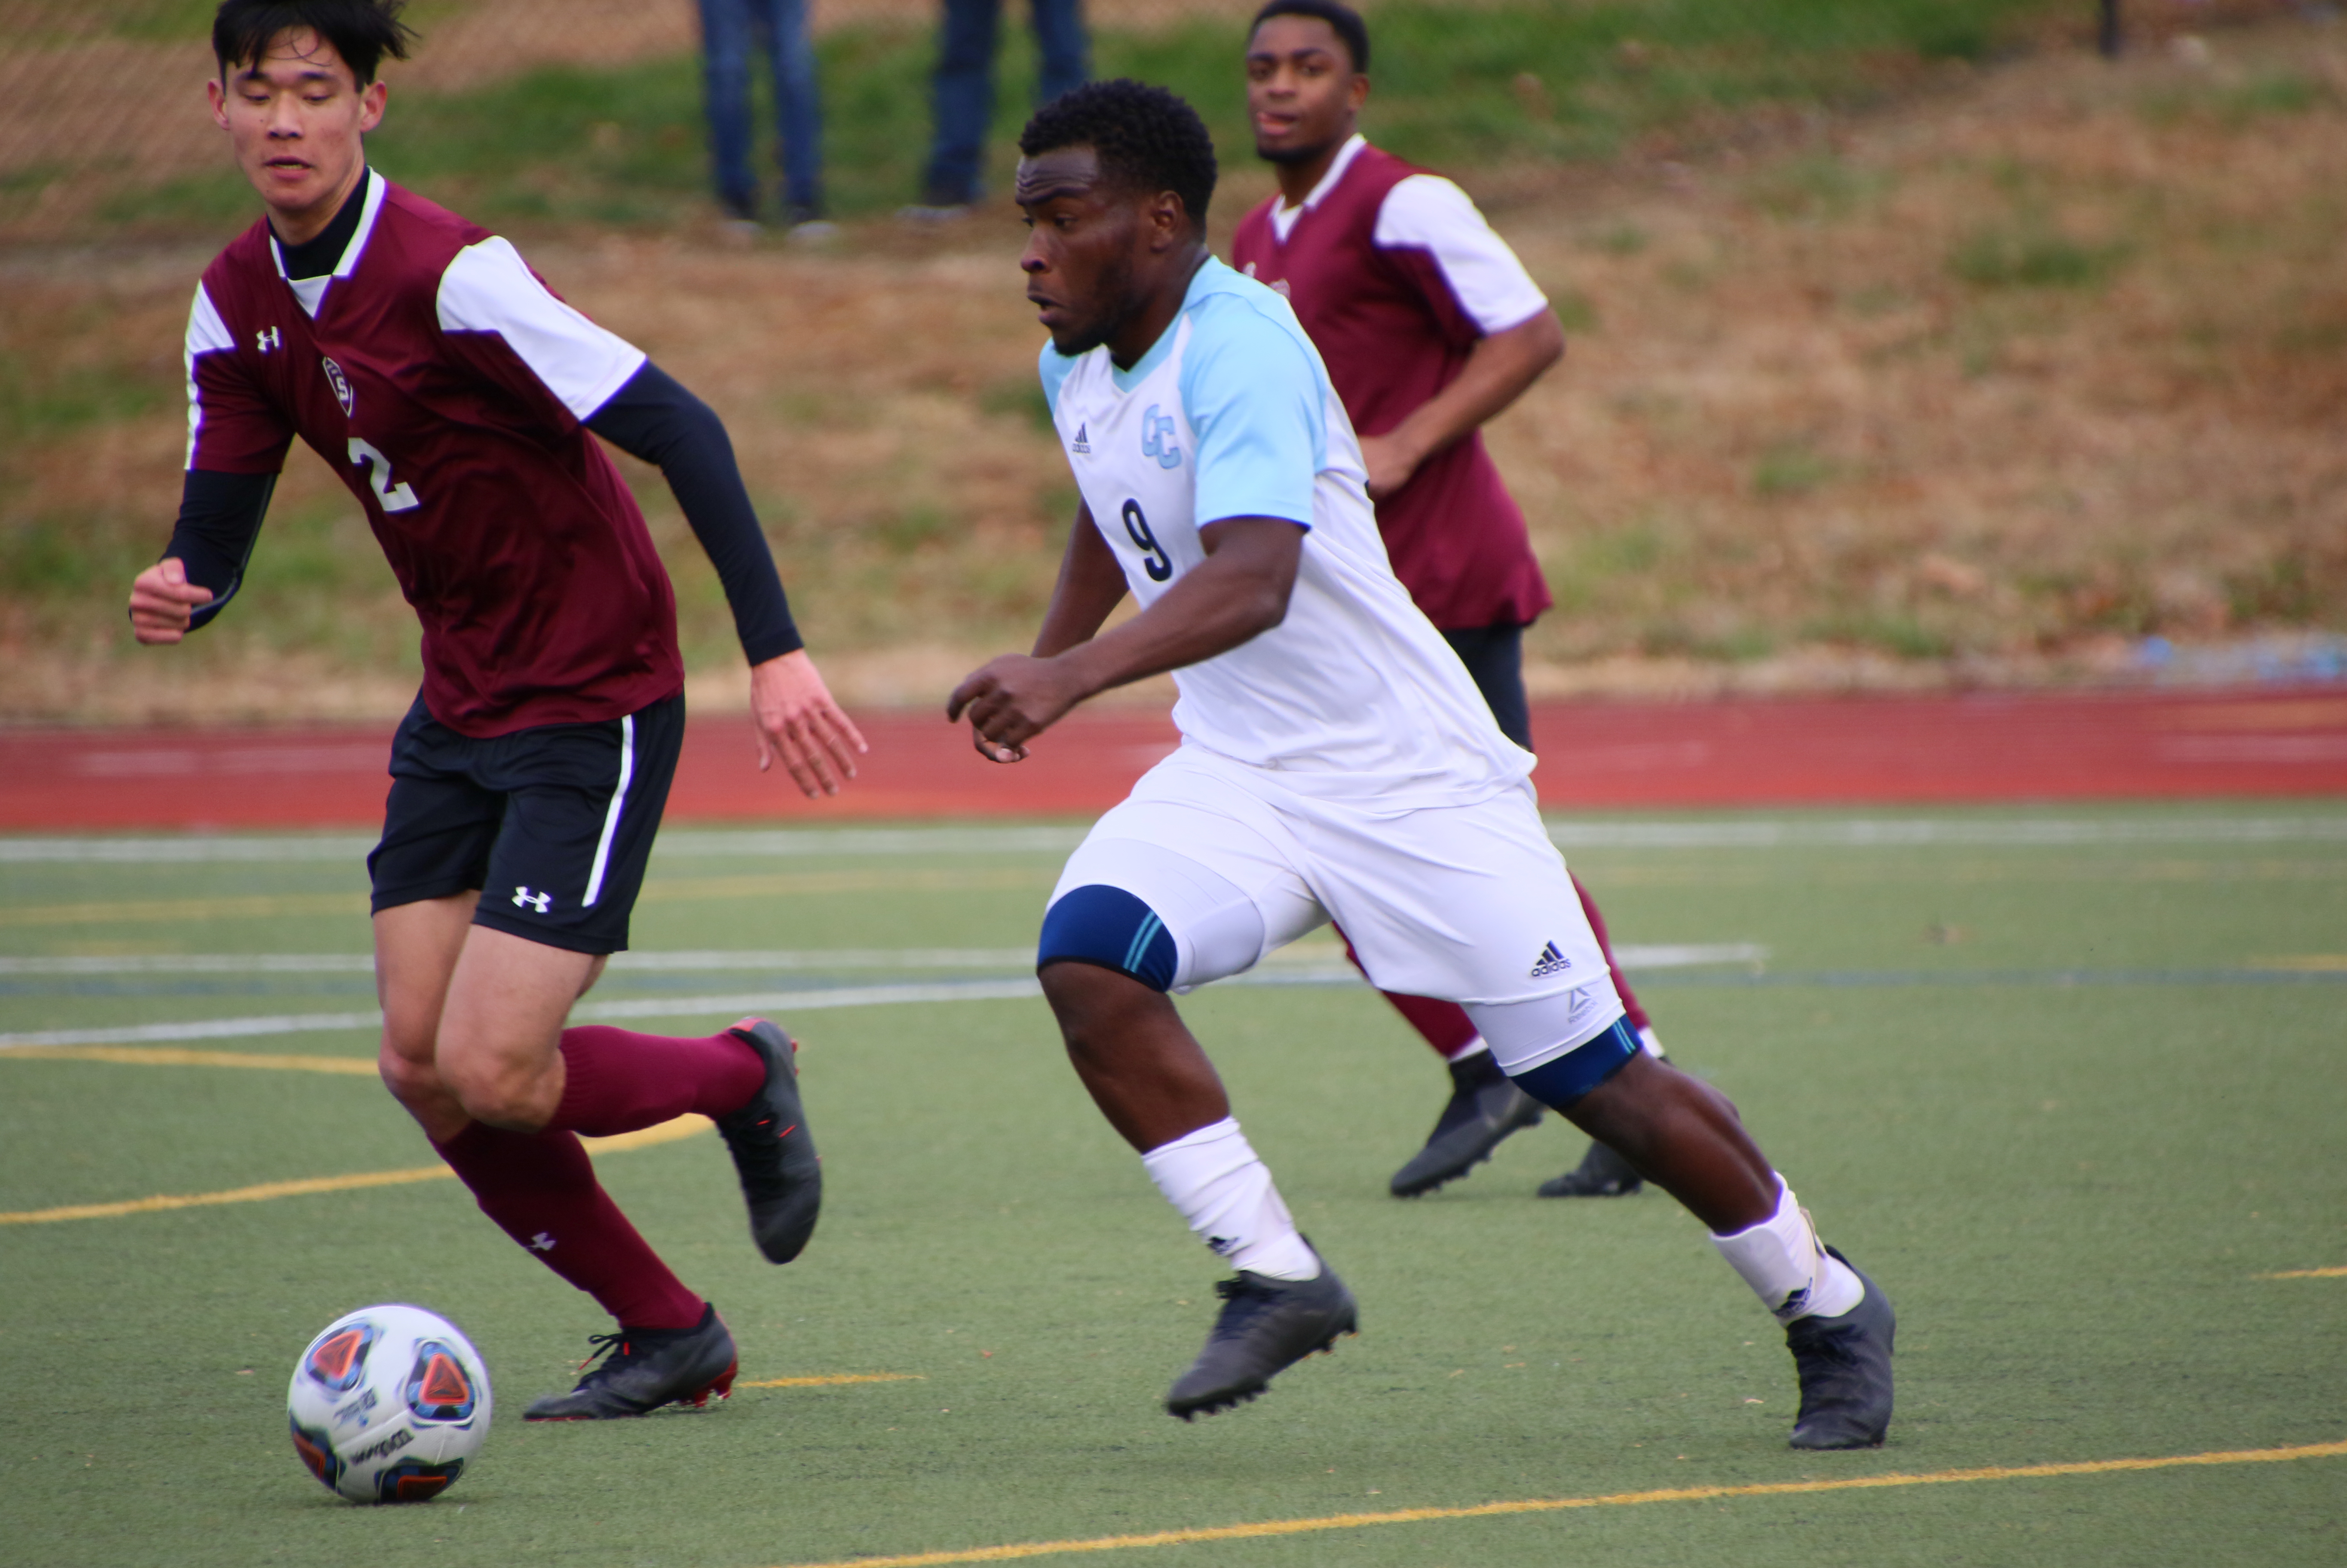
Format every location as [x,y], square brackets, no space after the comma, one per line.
[362,31]
[1147,139]
[1338,14]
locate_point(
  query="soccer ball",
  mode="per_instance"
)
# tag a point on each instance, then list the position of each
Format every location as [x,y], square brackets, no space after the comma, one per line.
[388,1403]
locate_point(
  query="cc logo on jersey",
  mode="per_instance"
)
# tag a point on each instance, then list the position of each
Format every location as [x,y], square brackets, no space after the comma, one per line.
[339,383]
[1157,438]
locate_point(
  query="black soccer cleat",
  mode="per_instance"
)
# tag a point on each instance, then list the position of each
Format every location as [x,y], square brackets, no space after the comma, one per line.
[1485,1107]
[644,1368]
[1845,1369]
[1266,1326]
[782,1175]
[1602,1173]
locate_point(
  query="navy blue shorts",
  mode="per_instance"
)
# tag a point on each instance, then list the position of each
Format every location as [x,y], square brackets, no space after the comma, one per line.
[551,826]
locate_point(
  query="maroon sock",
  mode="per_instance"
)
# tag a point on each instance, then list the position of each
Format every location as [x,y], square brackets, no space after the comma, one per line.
[541,1190]
[615,1080]
[1444,1026]
[1638,1014]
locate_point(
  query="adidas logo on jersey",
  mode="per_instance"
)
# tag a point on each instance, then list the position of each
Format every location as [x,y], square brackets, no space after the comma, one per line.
[1082,447]
[1551,960]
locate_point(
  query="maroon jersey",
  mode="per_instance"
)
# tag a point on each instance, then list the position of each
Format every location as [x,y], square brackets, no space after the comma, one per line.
[446,385]
[1395,277]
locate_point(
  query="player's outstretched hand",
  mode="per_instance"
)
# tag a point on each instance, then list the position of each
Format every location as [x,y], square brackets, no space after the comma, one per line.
[163,601]
[1010,702]
[796,720]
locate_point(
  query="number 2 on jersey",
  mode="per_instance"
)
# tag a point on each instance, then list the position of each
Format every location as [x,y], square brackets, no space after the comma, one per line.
[1159,565]
[394,497]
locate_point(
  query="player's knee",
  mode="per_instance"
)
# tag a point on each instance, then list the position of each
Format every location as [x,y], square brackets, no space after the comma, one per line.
[1104,927]
[410,1081]
[1565,1080]
[489,1087]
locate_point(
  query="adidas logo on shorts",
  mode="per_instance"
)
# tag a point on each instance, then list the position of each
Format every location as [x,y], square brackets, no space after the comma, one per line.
[1551,960]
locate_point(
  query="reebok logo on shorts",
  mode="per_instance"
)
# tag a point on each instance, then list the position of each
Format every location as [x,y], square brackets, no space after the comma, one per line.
[1551,960]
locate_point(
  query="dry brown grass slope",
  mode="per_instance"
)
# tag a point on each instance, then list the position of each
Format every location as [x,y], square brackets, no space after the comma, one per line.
[1979,388]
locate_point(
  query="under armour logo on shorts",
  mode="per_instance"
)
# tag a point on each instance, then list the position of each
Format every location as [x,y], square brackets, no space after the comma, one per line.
[525,899]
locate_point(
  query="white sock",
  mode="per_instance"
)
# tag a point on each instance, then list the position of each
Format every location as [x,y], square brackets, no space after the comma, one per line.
[1787,1268]
[1215,1180]
[1469,1051]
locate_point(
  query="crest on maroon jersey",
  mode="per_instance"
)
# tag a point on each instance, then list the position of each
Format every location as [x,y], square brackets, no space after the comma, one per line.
[339,383]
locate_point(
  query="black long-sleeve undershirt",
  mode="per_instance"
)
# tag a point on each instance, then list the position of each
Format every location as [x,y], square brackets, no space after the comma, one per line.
[652,418]
[656,420]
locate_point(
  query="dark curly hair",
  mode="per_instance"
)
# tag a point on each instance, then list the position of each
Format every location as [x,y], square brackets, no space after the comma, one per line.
[1147,140]
[362,31]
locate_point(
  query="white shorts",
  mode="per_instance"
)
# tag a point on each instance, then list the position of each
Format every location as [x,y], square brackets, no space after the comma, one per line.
[1469,903]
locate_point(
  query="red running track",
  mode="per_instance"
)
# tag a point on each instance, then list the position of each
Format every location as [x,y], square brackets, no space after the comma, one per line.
[2162,745]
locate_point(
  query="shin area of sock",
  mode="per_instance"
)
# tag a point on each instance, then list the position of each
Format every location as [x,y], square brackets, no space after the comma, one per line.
[541,1189]
[617,1081]
[1782,1261]
[1213,1178]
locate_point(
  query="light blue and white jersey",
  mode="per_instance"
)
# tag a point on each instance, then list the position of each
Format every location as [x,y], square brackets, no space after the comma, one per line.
[1354,696]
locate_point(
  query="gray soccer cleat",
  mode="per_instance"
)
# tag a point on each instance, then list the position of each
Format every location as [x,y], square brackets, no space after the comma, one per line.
[782,1175]
[1266,1326]
[1485,1107]
[1602,1173]
[644,1368]
[1845,1369]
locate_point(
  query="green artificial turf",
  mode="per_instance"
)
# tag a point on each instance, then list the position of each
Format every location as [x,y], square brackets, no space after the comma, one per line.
[2051,1097]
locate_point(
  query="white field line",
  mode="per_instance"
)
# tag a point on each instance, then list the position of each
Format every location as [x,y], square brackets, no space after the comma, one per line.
[1733,832]
[1313,970]
[1314,955]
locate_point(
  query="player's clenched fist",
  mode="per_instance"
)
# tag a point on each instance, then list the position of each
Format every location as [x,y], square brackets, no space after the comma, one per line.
[1010,702]
[163,601]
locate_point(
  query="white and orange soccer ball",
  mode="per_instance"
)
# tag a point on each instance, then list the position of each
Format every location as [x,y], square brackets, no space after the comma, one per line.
[388,1403]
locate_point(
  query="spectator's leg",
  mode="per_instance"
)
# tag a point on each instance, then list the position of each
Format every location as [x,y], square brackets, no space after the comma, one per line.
[1062,46]
[798,107]
[964,87]
[725,81]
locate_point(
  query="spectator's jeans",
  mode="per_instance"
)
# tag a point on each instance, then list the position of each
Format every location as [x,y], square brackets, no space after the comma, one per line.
[964,86]
[729,31]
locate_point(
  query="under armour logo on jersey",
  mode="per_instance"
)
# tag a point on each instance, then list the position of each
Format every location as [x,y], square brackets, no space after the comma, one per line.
[1551,960]
[525,899]
[1156,438]
[339,383]
[541,1242]
[266,339]
[1082,447]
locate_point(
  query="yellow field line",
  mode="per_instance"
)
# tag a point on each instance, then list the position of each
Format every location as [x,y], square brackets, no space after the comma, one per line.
[666,1133]
[172,1056]
[683,889]
[1553,1504]
[2339,1273]
[835,1379]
